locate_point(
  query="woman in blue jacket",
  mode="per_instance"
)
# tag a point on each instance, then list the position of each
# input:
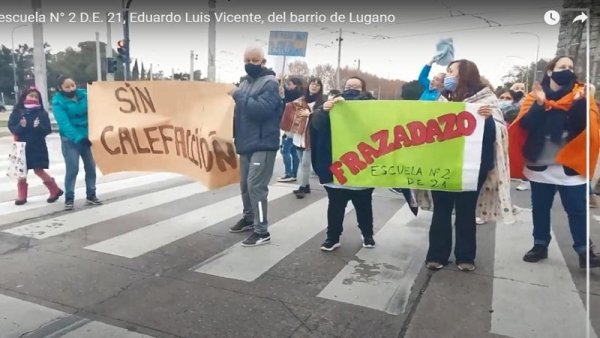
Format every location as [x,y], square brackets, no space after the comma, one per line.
[70,109]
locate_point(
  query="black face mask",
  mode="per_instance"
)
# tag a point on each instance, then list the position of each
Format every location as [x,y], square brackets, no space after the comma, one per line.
[351,94]
[563,77]
[252,69]
[517,95]
[69,94]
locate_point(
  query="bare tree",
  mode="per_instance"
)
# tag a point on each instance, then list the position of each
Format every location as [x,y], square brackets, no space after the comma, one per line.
[299,68]
[327,75]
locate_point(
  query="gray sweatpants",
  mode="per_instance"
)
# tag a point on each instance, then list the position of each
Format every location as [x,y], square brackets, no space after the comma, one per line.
[256,170]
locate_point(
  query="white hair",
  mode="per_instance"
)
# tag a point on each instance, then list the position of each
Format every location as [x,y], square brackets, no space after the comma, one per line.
[255,49]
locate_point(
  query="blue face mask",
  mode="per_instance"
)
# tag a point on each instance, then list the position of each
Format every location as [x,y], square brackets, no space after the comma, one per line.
[503,105]
[450,83]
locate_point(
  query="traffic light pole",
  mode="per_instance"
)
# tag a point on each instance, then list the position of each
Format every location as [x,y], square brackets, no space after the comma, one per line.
[109,52]
[126,37]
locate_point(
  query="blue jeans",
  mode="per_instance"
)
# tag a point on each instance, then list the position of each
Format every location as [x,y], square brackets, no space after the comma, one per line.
[573,199]
[290,157]
[71,152]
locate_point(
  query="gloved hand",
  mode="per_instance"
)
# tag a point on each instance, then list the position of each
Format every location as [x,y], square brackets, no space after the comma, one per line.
[86,142]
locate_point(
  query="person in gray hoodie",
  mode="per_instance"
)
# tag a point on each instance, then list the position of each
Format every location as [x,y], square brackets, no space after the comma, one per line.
[257,113]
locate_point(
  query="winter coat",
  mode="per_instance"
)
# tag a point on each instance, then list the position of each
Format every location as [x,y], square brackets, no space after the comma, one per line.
[71,115]
[258,110]
[573,154]
[293,123]
[428,94]
[36,150]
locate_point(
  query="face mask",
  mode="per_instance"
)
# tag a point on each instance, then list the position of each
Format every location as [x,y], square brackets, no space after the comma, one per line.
[350,94]
[70,94]
[252,69]
[563,77]
[517,95]
[503,105]
[31,104]
[450,83]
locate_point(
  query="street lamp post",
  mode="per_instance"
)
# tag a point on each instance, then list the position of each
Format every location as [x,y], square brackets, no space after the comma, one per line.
[14,61]
[537,54]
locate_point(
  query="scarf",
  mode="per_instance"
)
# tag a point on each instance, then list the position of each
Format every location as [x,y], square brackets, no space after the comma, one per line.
[557,103]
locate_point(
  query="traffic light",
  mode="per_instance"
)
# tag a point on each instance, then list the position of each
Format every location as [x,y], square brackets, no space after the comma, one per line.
[111,65]
[123,51]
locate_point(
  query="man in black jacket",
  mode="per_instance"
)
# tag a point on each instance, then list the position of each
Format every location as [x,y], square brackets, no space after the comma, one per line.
[258,109]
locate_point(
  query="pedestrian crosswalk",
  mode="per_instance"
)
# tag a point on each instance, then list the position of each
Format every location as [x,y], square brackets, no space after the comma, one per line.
[19,318]
[381,279]
[162,233]
[550,288]
[298,228]
[72,221]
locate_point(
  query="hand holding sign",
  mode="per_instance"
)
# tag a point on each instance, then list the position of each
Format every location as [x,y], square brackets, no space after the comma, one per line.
[330,103]
[485,111]
[327,105]
[86,142]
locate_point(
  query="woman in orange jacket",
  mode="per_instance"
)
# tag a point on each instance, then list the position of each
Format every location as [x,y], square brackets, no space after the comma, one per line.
[548,147]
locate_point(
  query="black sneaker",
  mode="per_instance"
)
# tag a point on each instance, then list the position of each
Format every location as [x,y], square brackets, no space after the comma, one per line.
[68,205]
[330,245]
[368,242]
[242,225]
[302,191]
[93,200]
[286,179]
[257,239]
[594,260]
[537,253]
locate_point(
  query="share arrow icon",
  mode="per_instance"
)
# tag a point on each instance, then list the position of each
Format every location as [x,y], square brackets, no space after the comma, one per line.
[581,17]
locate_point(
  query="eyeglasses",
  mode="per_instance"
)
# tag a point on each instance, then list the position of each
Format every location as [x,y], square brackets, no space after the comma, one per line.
[353,87]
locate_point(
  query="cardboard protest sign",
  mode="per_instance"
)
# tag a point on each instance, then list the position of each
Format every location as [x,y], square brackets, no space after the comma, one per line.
[174,126]
[407,144]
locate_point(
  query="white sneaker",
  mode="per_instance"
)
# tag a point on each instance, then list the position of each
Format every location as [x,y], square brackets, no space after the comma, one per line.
[525,185]
[479,221]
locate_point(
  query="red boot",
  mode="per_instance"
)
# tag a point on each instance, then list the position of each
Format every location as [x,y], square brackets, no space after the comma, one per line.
[21,192]
[55,191]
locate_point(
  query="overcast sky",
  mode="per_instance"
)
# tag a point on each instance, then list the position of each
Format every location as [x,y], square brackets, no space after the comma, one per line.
[481,33]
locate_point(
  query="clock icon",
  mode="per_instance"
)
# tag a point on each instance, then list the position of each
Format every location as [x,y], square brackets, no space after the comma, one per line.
[552,17]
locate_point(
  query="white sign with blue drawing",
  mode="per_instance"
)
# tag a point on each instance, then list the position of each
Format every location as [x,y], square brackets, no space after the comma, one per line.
[288,43]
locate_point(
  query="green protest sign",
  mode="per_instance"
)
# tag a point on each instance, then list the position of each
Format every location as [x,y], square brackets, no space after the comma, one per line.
[407,144]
